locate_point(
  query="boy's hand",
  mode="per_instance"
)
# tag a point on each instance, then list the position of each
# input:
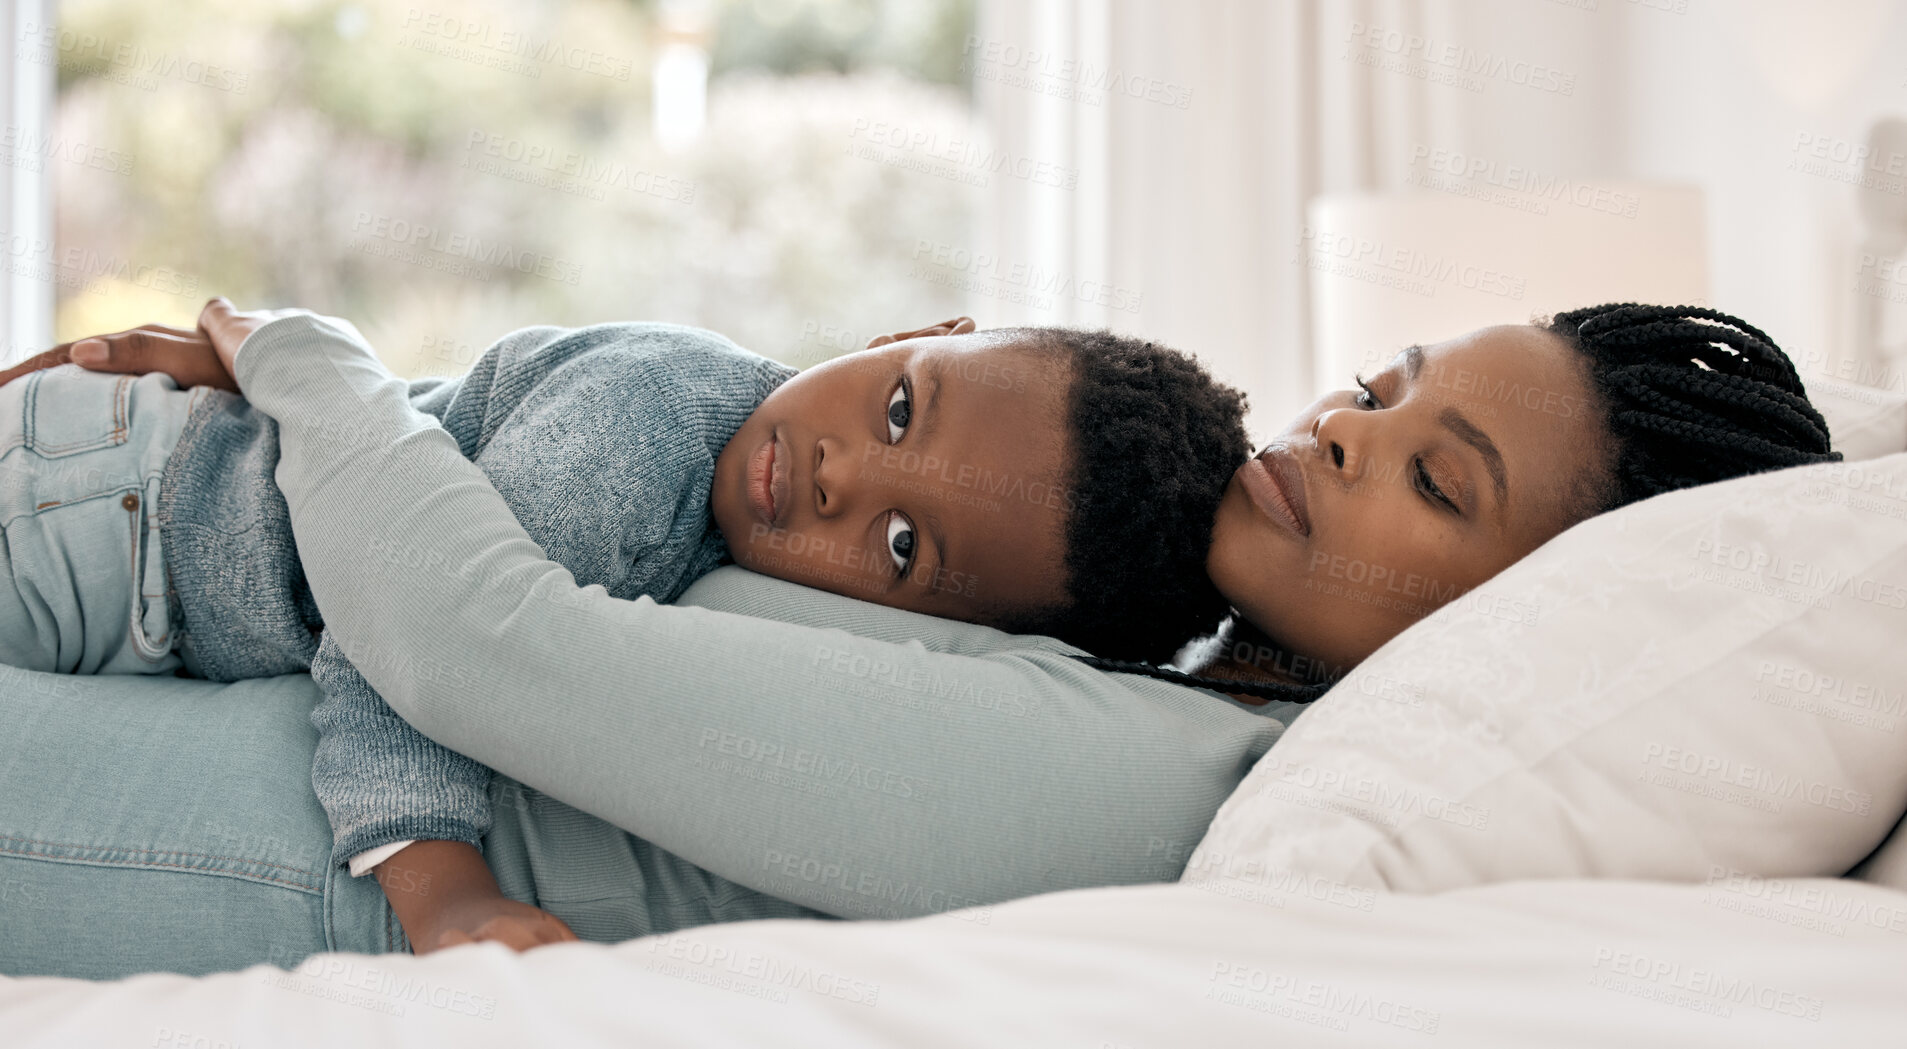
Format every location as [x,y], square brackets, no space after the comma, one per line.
[444,895]
[496,919]
[228,327]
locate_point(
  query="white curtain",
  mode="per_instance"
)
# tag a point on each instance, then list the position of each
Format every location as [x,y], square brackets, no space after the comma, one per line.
[26,97]
[1192,202]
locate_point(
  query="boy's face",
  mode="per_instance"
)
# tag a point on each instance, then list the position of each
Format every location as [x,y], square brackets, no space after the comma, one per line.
[925,474]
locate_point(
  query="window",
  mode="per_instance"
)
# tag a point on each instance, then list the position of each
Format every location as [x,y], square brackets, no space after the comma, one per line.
[444,171]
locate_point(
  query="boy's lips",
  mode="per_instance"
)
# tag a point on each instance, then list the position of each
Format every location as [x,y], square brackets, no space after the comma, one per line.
[1275,483]
[768,480]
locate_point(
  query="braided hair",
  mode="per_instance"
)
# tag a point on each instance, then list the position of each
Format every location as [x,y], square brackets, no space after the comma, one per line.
[1688,395]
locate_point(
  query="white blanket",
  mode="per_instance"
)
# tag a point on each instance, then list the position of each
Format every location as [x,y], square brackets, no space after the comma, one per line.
[1518,964]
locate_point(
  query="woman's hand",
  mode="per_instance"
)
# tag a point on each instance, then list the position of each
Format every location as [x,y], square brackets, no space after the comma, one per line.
[193,358]
[188,356]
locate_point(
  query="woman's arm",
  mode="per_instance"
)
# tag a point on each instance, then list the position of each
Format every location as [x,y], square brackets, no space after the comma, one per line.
[880,764]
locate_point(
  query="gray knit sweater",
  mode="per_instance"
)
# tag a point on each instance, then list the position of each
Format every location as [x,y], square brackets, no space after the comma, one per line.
[603,442]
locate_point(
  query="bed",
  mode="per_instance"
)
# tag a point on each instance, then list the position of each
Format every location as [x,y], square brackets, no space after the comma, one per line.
[1609,797]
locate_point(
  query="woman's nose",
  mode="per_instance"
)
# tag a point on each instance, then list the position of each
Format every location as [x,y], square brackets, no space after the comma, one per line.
[1339,439]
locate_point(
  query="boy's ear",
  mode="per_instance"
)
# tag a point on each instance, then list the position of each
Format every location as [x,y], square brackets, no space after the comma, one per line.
[957,326]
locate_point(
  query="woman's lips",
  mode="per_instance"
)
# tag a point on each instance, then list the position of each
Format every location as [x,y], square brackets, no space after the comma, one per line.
[768,480]
[1275,484]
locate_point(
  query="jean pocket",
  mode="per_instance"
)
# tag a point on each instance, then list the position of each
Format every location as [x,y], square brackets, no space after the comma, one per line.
[65,411]
[151,615]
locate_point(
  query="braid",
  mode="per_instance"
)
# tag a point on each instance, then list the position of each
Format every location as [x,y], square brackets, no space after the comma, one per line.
[1691,395]
[1260,689]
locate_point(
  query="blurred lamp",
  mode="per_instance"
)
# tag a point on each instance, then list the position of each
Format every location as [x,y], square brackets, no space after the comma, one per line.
[1391,269]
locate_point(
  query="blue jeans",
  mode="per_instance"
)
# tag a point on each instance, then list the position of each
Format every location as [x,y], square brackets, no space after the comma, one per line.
[82,575]
[145,824]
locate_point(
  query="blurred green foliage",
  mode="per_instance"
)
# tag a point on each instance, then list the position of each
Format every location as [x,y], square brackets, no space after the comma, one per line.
[444,171]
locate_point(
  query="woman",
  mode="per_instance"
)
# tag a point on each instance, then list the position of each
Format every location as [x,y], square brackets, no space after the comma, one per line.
[990,766]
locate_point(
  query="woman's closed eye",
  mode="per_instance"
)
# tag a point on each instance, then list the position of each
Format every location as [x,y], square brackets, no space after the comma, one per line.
[900,411]
[900,542]
[1367,399]
[1427,485]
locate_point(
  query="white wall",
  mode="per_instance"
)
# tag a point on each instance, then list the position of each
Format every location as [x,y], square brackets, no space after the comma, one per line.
[1200,207]
[1722,96]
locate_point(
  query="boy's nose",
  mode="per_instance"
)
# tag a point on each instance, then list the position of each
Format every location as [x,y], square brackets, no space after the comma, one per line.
[833,477]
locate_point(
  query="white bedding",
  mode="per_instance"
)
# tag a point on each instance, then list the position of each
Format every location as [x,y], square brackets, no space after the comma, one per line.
[1518,964]
[1286,958]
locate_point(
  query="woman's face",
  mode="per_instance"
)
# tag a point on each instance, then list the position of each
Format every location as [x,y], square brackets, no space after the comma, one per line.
[1372,509]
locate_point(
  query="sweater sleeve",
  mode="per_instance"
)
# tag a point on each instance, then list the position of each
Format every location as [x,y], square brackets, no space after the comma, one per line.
[861,760]
[379,779]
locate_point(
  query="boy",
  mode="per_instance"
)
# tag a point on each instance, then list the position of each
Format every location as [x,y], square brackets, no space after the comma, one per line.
[1037,480]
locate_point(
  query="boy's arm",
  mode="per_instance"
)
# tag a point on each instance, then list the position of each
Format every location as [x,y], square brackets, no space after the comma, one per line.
[382,782]
[444,895]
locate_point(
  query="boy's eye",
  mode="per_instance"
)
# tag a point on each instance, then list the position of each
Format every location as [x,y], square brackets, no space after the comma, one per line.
[900,542]
[900,412]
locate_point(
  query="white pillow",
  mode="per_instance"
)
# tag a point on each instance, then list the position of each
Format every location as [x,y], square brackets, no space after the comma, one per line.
[1711,679]
[1864,422]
